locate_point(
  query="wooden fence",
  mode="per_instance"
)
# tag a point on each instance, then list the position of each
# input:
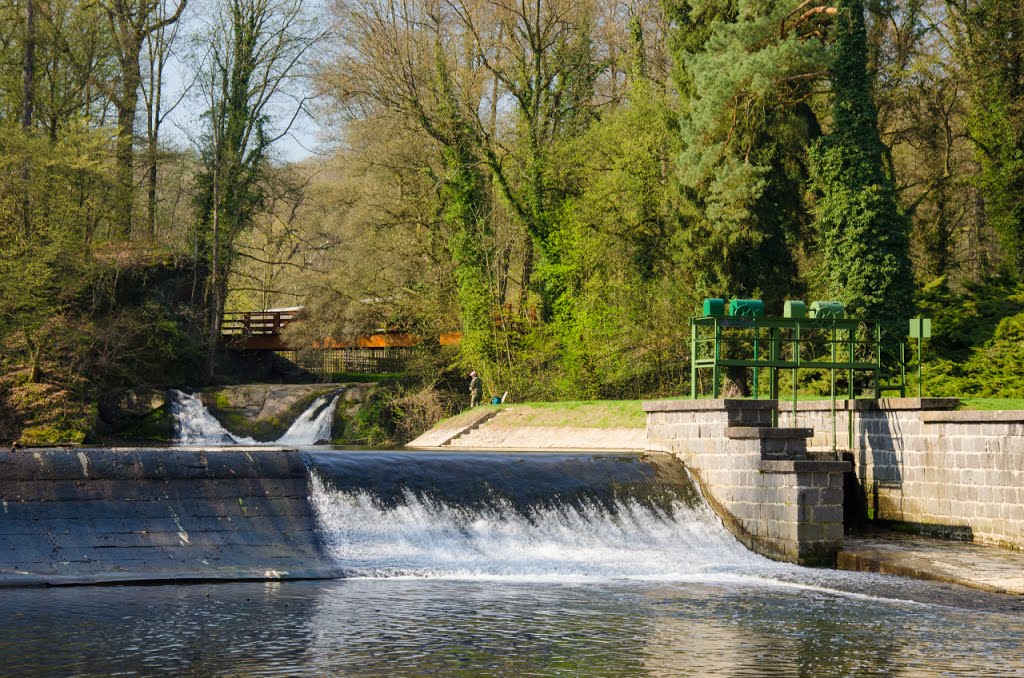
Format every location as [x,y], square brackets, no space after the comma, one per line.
[337,361]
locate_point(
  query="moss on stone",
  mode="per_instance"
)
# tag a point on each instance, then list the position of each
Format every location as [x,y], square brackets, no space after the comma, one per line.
[156,427]
[265,429]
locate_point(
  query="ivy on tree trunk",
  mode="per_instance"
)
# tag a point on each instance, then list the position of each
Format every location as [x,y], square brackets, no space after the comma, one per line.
[863,234]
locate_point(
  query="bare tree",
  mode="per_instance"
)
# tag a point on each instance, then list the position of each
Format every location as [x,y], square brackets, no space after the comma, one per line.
[257,54]
[159,50]
[131,23]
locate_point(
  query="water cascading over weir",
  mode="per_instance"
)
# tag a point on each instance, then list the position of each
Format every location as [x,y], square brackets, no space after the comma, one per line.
[86,516]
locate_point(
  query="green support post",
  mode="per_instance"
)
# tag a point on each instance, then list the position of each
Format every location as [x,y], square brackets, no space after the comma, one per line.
[852,339]
[832,374]
[693,359]
[796,360]
[878,361]
[718,356]
[757,335]
[920,380]
[774,356]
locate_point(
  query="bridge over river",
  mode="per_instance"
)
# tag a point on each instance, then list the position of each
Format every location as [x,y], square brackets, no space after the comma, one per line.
[378,352]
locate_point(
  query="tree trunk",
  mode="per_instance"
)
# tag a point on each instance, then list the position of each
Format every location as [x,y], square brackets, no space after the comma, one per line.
[27,103]
[35,354]
[126,108]
[28,65]
[151,193]
[216,296]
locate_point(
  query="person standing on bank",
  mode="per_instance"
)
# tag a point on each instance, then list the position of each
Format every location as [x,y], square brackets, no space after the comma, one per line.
[476,389]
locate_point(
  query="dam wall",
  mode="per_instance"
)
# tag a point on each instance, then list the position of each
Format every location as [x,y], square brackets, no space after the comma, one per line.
[920,462]
[770,493]
[80,516]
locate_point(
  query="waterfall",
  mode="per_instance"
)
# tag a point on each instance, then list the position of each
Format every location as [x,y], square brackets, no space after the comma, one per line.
[313,425]
[195,425]
[420,515]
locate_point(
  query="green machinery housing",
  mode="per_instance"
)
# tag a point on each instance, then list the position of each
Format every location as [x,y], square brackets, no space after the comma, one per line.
[817,337]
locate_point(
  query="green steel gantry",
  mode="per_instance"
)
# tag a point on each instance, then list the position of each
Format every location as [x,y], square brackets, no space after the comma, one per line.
[741,337]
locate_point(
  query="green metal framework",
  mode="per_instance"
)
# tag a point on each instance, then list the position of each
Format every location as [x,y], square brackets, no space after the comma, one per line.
[773,344]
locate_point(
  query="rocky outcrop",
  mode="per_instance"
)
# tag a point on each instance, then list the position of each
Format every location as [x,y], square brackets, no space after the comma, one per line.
[264,411]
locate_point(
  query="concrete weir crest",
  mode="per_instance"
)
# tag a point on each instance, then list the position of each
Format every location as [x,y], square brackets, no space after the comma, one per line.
[768,490]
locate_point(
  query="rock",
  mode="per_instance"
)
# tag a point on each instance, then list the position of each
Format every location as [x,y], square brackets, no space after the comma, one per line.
[264,411]
[133,403]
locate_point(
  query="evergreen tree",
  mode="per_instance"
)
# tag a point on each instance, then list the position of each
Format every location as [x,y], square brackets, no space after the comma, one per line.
[863,234]
[744,71]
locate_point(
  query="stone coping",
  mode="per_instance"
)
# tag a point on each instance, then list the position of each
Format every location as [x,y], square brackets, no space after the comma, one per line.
[859,405]
[718,404]
[711,404]
[973,417]
[765,432]
[802,466]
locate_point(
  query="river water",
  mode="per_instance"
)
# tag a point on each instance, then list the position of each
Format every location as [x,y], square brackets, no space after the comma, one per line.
[475,564]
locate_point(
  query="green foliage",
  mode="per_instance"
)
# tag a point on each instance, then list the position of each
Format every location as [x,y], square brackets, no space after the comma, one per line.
[863,234]
[394,414]
[745,126]
[977,335]
[987,40]
[155,427]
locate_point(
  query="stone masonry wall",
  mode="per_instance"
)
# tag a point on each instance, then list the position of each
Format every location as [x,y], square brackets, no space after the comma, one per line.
[758,479]
[957,473]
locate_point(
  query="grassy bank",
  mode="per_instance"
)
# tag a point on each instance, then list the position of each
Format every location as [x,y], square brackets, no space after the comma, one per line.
[579,414]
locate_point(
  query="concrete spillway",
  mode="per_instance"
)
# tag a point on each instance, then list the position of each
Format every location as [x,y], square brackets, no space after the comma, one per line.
[104,515]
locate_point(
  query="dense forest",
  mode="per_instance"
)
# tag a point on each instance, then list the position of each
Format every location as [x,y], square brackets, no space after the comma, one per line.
[561,181]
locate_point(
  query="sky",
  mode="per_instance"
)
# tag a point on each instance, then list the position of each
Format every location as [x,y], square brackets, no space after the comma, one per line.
[184,121]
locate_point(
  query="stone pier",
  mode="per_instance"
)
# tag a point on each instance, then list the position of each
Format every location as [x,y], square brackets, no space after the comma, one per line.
[776,498]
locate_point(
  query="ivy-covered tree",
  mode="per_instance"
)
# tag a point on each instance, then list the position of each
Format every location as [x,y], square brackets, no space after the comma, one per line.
[863,235]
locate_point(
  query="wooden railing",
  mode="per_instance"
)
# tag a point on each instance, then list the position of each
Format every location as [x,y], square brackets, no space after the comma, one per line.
[256,323]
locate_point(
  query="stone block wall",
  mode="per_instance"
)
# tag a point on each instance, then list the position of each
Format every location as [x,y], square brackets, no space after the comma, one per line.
[955,473]
[758,479]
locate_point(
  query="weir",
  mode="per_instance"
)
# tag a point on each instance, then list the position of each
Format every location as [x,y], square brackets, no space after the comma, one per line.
[107,515]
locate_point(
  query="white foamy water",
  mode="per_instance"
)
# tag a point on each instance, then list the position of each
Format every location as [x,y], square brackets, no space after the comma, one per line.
[420,538]
[196,426]
[313,425]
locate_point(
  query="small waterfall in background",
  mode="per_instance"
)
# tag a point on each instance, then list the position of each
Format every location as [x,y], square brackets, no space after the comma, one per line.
[533,516]
[196,426]
[313,425]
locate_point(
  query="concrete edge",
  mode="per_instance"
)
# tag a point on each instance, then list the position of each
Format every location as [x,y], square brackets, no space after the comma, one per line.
[706,405]
[891,404]
[973,416]
[803,466]
[871,404]
[531,450]
[766,433]
[28,580]
[872,561]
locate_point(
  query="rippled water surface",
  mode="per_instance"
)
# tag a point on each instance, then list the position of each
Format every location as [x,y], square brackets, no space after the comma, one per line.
[407,627]
[518,565]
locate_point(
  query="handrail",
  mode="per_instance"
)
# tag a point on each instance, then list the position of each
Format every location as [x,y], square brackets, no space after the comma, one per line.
[256,323]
